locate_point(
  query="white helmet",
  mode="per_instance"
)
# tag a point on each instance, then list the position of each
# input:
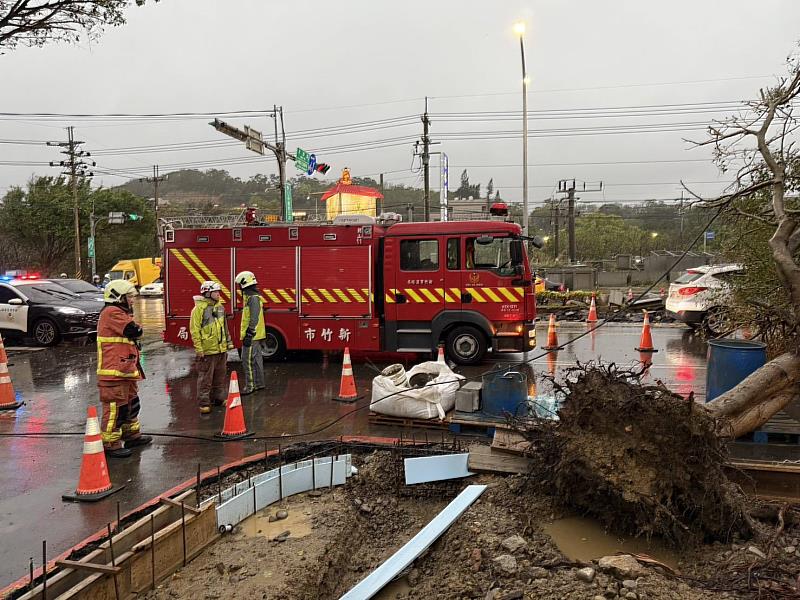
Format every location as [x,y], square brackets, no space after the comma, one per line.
[246,279]
[210,286]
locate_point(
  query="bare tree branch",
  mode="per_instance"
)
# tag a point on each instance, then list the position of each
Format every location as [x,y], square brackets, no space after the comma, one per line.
[37,22]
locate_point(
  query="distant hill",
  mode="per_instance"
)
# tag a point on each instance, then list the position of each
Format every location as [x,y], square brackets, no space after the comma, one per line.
[217,189]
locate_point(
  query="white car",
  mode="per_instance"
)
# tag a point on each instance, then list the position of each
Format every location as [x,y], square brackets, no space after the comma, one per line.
[152,289]
[700,297]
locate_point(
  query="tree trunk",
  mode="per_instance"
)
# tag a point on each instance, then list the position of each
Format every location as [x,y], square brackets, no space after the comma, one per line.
[754,417]
[776,377]
[756,399]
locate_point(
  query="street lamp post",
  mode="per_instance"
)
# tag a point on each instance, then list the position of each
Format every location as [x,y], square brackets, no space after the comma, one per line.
[519,29]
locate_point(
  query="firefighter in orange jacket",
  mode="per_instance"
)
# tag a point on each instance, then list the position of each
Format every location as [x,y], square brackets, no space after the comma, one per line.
[118,371]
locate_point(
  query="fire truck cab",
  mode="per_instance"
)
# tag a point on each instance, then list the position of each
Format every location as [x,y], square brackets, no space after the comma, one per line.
[403,287]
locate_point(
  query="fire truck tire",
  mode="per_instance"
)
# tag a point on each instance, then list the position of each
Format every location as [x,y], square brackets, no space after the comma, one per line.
[466,345]
[274,346]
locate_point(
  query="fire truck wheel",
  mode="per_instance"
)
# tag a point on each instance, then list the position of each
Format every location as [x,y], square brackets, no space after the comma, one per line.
[274,346]
[466,345]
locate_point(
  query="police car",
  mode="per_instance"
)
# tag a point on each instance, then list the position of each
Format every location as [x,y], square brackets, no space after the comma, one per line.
[44,311]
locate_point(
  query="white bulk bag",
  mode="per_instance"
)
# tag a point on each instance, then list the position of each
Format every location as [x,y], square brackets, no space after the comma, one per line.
[432,401]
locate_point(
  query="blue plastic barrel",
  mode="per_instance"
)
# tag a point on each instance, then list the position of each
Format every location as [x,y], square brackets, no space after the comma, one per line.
[504,392]
[730,362]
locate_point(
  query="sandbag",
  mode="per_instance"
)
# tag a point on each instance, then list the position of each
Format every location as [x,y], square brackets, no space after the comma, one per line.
[431,401]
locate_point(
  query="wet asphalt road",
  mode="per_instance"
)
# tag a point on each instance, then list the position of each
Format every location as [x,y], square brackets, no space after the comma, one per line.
[58,384]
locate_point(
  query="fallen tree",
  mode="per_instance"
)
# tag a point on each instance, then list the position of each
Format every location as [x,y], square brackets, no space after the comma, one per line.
[639,458]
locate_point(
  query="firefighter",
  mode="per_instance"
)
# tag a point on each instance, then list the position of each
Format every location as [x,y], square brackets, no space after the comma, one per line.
[211,341]
[96,282]
[252,333]
[63,276]
[118,371]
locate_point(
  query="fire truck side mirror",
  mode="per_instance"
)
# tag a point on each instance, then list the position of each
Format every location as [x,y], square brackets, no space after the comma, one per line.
[538,242]
[517,252]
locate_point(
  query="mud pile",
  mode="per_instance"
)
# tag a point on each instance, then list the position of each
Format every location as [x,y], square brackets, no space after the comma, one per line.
[640,459]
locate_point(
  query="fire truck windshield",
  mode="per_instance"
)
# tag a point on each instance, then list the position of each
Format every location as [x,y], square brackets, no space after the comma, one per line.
[494,256]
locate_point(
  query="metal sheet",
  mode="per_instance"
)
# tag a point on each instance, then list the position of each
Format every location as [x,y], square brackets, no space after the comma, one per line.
[375,581]
[436,468]
[295,478]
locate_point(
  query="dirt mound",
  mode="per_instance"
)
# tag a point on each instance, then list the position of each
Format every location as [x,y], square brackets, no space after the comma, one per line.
[640,459]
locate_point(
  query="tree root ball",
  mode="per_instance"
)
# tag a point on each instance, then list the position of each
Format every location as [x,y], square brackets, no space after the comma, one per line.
[640,459]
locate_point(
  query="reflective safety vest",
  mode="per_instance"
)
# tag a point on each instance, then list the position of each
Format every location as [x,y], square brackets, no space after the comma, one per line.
[208,327]
[261,331]
[117,356]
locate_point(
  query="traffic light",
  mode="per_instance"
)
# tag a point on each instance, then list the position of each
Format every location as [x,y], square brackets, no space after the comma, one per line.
[322,168]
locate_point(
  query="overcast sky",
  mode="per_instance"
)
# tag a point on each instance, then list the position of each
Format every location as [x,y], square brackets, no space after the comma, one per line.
[331,64]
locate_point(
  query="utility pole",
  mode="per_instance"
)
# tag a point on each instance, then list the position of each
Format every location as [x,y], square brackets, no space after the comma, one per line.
[155,180]
[573,251]
[380,202]
[75,167]
[568,186]
[680,211]
[555,211]
[280,154]
[426,161]
[410,212]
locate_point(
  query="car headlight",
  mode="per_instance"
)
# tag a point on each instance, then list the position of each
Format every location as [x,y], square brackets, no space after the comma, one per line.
[68,310]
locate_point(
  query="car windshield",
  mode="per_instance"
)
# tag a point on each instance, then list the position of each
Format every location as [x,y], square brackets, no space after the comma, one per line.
[78,286]
[47,293]
[689,277]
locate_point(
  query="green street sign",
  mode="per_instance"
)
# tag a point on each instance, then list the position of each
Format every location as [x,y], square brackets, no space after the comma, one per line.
[301,160]
[90,245]
[288,204]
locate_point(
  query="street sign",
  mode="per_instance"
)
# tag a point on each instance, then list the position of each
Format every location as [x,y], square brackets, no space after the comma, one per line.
[288,205]
[116,218]
[301,160]
[90,247]
[254,141]
[255,146]
[254,134]
[709,235]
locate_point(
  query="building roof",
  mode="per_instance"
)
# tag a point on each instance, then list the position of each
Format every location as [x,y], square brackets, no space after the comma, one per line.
[355,190]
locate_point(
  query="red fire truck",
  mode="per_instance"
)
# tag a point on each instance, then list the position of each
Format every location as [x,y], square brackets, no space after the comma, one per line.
[363,283]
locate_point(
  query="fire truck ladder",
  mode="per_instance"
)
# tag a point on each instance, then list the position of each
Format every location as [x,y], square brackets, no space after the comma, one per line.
[203,221]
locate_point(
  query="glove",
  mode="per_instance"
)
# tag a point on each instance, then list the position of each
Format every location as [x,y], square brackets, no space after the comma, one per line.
[247,341]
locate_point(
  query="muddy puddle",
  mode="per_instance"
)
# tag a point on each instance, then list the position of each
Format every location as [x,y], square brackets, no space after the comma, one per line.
[584,539]
[298,523]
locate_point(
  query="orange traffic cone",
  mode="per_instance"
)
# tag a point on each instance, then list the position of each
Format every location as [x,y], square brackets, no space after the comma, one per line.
[347,387]
[93,482]
[552,336]
[233,428]
[8,401]
[440,359]
[646,343]
[592,318]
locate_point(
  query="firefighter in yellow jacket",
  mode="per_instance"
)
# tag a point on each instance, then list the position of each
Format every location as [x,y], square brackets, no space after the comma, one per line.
[118,371]
[211,344]
[252,333]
